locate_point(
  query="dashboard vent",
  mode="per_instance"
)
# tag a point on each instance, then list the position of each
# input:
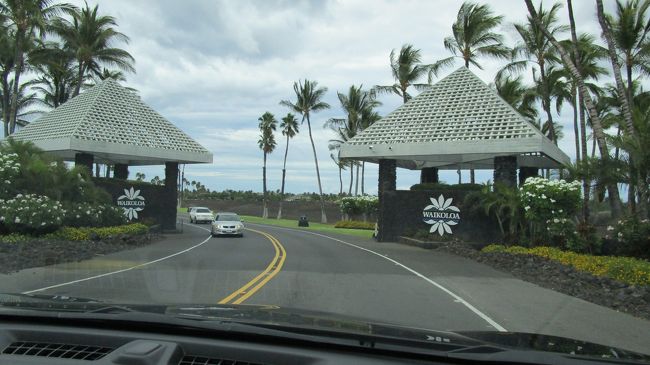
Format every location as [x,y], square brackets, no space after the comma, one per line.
[57,350]
[200,360]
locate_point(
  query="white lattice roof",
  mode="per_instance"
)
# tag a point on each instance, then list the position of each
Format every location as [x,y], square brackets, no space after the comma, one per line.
[114,124]
[458,122]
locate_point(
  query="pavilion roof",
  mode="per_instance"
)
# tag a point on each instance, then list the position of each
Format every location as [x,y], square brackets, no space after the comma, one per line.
[460,122]
[116,126]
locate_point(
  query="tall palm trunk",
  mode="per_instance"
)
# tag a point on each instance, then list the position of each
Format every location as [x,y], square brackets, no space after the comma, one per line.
[340,181]
[5,101]
[576,127]
[284,172]
[363,173]
[80,78]
[351,177]
[472,177]
[265,209]
[356,185]
[323,217]
[625,100]
[599,133]
[586,183]
[18,64]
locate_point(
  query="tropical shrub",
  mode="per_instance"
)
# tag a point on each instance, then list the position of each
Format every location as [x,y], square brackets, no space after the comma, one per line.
[9,169]
[30,214]
[93,215]
[87,233]
[625,269]
[355,225]
[359,205]
[631,236]
[550,206]
[501,204]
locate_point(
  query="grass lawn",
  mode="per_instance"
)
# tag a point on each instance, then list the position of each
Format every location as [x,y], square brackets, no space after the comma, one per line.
[313,226]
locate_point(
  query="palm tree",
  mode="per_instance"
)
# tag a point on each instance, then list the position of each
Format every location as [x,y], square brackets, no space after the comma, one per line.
[520,96]
[406,69]
[368,117]
[55,67]
[341,166]
[473,36]
[359,107]
[90,37]
[267,144]
[537,50]
[599,133]
[632,33]
[343,134]
[630,29]
[27,17]
[309,100]
[289,128]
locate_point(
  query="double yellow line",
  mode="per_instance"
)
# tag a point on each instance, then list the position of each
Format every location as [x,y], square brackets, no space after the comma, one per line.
[243,293]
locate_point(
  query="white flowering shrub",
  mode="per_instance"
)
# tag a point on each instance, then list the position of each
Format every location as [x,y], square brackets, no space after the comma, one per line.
[356,205]
[30,214]
[551,206]
[9,169]
[93,215]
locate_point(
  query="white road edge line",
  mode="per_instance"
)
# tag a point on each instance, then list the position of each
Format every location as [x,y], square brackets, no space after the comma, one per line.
[476,311]
[123,270]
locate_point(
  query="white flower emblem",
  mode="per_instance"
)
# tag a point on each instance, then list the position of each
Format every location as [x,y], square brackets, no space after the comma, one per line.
[131,203]
[441,215]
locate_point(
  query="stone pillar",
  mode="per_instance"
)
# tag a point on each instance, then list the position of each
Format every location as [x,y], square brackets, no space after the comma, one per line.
[505,170]
[429,175]
[121,171]
[84,159]
[526,172]
[387,176]
[387,185]
[171,195]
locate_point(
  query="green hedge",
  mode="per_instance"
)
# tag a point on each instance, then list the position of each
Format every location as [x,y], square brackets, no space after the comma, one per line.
[440,187]
[85,233]
[625,269]
[355,225]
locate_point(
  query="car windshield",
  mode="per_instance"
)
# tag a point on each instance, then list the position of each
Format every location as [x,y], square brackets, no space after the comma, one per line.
[462,166]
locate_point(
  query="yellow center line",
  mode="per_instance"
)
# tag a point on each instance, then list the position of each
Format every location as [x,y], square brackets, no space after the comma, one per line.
[274,267]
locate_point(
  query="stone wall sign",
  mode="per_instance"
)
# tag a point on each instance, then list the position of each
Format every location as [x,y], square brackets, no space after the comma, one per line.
[441,215]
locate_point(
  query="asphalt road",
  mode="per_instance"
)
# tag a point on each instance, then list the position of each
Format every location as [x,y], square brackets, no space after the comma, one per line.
[384,282]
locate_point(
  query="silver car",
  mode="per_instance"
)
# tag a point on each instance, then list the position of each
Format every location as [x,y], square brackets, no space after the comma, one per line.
[201,214]
[226,223]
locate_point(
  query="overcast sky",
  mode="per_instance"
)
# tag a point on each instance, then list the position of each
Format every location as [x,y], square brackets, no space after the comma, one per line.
[214,67]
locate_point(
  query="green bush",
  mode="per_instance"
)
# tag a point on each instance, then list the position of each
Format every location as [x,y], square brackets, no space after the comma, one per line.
[441,187]
[355,225]
[30,214]
[42,174]
[625,269]
[93,215]
[356,205]
[86,233]
[632,237]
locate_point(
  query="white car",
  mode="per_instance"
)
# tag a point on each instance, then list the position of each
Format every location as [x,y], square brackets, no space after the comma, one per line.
[226,223]
[201,214]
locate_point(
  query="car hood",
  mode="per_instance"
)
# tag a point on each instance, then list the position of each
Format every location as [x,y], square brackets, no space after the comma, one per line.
[279,317]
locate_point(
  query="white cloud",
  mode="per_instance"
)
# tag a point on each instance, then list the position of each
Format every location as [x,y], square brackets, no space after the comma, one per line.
[213,67]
